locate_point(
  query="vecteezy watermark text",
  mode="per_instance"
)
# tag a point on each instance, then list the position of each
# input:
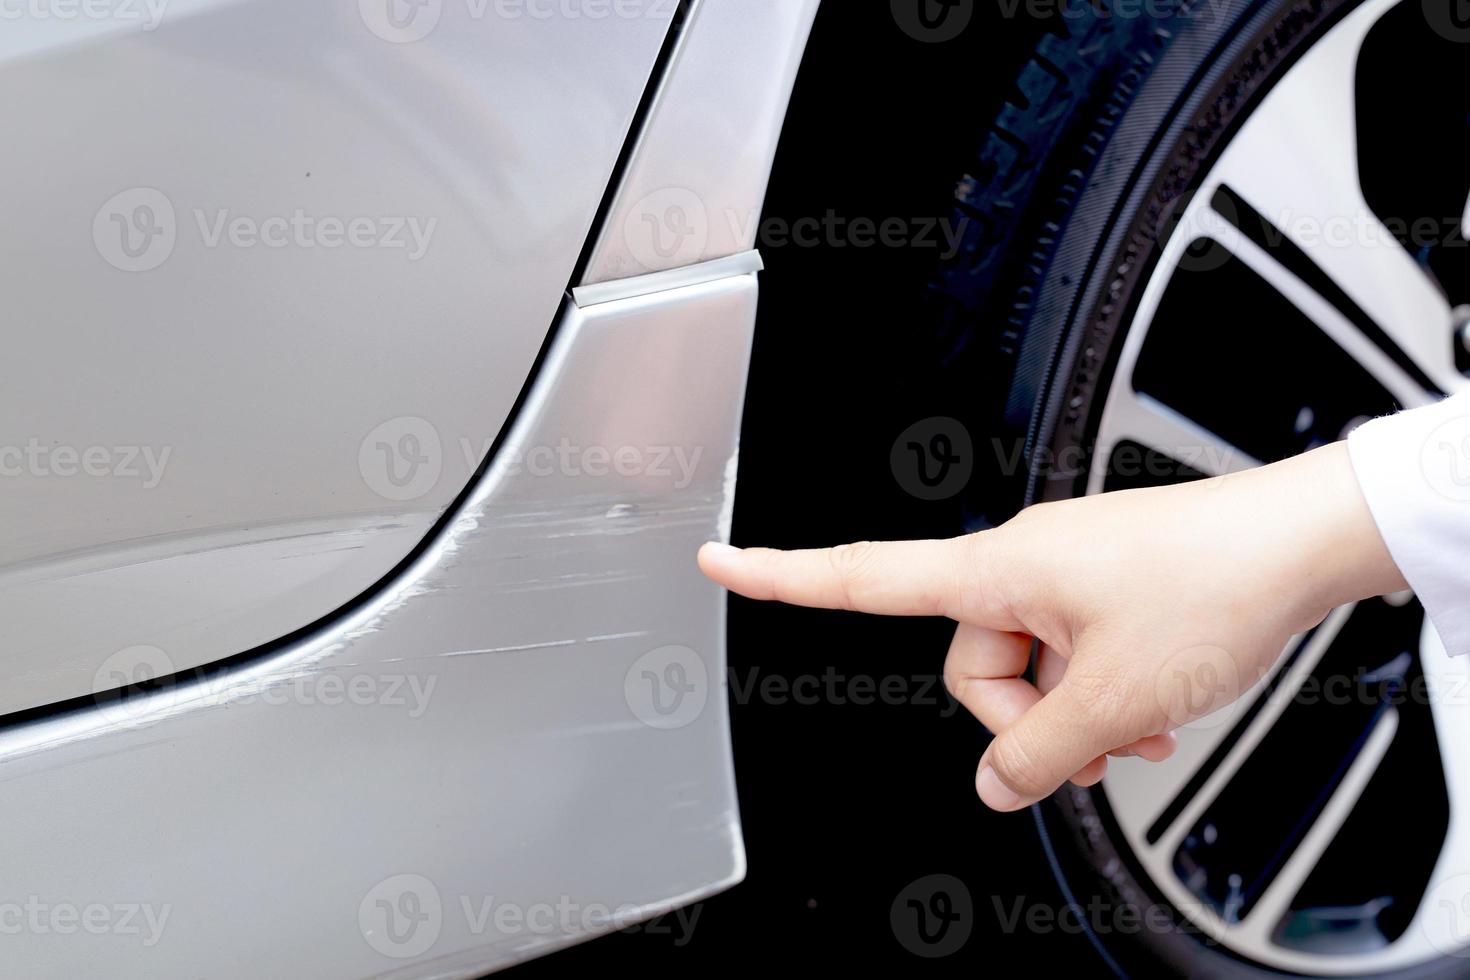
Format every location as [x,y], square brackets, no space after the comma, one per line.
[404,457]
[38,917]
[140,685]
[138,230]
[407,21]
[146,15]
[402,917]
[39,460]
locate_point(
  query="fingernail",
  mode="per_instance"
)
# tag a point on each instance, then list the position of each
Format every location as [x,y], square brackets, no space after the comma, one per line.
[720,548]
[994,793]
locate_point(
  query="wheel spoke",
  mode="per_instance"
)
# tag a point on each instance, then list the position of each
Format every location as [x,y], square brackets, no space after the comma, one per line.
[1258,927]
[1135,417]
[1327,316]
[1138,789]
[1295,162]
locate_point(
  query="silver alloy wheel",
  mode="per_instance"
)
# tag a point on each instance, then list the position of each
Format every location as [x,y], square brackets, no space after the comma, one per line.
[1294,161]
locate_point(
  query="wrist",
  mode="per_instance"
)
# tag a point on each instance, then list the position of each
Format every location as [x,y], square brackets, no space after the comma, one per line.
[1344,557]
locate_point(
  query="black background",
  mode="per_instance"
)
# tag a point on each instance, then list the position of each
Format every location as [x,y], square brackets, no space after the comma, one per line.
[845,804]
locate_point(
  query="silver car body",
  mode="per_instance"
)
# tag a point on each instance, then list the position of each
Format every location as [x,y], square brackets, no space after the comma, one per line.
[338,421]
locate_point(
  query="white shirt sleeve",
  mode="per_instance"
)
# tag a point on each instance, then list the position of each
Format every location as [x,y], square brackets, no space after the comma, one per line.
[1414,469]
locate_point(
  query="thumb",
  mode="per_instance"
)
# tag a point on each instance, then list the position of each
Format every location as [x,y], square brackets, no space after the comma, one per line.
[1056,737]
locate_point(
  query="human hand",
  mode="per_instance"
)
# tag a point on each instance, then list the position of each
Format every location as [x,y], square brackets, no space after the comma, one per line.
[1152,607]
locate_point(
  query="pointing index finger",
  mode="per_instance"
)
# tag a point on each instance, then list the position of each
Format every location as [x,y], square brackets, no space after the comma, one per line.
[895,578]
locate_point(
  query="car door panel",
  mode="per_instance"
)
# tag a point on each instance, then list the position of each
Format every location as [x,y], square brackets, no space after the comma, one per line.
[275,275]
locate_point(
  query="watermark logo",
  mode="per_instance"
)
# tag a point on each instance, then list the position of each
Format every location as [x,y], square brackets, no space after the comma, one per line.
[1194,683]
[401,916]
[1445,916]
[667,229]
[401,459]
[1212,243]
[401,21]
[933,21]
[136,230]
[1445,459]
[933,916]
[933,459]
[1450,19]
[667,688]
[127,690]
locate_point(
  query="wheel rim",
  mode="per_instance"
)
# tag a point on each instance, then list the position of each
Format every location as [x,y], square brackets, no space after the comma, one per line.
[1252,864]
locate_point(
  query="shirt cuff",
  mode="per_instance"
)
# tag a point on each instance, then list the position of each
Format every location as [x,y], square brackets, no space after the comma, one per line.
[1414,470]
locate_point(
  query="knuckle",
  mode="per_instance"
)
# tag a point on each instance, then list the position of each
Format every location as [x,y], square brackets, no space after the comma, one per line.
[853,559]
[987,572]
[1036,516]
[1013,573]
[1038,533]
[978,552]
[853,564]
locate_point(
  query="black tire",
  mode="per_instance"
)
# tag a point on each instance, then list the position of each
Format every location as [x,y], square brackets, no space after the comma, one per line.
[1112,124]
[1012,204]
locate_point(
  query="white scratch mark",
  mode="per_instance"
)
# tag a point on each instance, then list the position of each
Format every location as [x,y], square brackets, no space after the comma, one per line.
[515,649]
[727,501]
